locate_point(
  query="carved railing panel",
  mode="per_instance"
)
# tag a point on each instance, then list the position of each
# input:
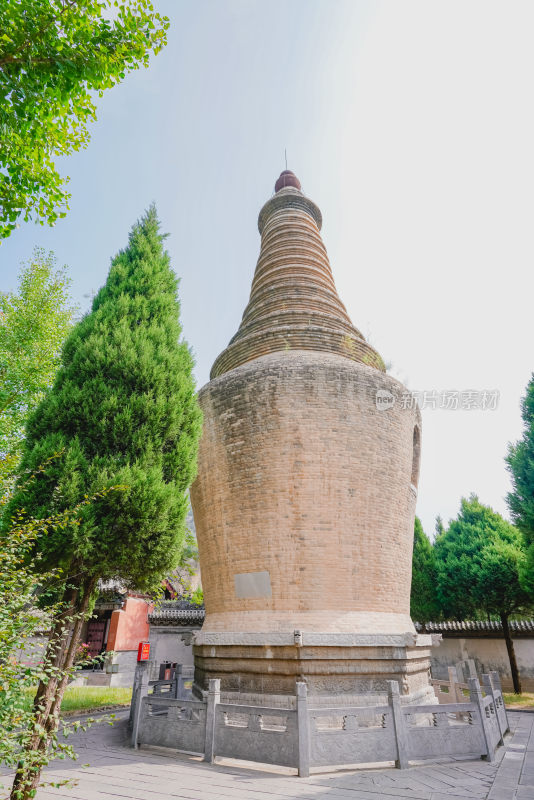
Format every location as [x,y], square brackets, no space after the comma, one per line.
[254,733]
[437,730]
[351,735]
[180,724]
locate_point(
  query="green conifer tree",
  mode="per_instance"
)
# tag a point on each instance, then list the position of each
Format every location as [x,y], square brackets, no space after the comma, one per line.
[479,559]
[424,606]
[122,413]
[520,461]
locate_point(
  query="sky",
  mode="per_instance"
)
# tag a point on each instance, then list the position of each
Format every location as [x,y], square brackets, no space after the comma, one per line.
[410,124]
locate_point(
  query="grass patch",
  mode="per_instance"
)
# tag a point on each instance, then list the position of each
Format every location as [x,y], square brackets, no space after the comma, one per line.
[525,700]
[89,698]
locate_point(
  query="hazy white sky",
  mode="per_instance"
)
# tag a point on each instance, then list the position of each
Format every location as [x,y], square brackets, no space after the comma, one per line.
[410,123]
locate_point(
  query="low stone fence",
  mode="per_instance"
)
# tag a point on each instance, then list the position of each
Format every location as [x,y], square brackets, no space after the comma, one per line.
[305,737]
[455,689]
[166,722]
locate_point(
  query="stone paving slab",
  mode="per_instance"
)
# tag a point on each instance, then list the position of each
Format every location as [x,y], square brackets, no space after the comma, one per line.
[116,772]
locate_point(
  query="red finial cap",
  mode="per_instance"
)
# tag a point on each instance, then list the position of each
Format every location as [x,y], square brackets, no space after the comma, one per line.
[287,178]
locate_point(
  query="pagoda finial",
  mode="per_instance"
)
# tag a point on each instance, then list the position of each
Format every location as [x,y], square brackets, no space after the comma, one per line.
[287,178]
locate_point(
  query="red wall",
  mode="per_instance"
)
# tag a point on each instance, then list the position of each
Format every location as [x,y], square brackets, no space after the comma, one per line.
[129,625]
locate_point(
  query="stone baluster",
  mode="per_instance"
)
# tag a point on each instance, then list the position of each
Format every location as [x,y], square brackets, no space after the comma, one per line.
[214,698]
[399,725]
[303,730]
[475,695]
[496,680]
[488,688]
[135,687]
[471,668]
[141,693]
[454,690]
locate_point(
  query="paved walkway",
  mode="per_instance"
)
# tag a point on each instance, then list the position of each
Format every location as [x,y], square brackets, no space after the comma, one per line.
[116,772]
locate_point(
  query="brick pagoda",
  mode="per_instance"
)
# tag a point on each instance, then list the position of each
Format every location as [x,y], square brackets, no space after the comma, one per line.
[305,498]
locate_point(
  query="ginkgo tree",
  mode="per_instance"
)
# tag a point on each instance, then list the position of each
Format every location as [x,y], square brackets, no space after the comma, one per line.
[56,57]
[34,321]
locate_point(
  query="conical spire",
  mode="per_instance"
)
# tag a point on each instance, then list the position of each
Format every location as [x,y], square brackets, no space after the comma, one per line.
[294,304]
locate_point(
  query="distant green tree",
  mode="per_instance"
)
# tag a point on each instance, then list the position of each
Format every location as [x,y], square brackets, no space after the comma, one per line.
[424,606]
[34,321]
[520,461]
[439,527]
[478,561]
[122,413]
[54,56]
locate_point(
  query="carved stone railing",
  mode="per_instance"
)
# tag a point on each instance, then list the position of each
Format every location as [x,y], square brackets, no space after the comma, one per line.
[305,737]
[337,735]
[455,690]
[267,735]
[166,722]
[451,691]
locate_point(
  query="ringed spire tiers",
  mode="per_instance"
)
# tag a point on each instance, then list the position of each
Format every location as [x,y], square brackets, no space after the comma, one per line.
[294,304]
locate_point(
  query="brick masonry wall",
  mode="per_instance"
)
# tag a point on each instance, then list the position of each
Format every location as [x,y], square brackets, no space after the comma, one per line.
[302,477]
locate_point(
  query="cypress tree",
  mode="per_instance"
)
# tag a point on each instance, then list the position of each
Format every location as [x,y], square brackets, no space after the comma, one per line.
[122,413]
[520,461]
[424,606]
[479,559]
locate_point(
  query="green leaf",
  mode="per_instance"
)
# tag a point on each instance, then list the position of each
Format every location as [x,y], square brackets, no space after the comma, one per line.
[46,91]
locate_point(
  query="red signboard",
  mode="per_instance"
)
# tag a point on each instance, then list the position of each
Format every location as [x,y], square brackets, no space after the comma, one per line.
[143,651]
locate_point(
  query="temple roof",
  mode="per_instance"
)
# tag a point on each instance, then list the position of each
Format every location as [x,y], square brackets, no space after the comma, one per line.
[175,614]
[477,626]
[294,304]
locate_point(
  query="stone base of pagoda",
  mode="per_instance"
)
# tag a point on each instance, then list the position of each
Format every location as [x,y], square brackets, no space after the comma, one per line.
[337,667]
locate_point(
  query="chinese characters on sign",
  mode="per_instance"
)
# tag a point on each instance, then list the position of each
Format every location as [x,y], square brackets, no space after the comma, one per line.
[143,651]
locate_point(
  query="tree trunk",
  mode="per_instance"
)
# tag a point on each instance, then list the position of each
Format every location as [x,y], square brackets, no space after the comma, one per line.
[511,653]
[60,654]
